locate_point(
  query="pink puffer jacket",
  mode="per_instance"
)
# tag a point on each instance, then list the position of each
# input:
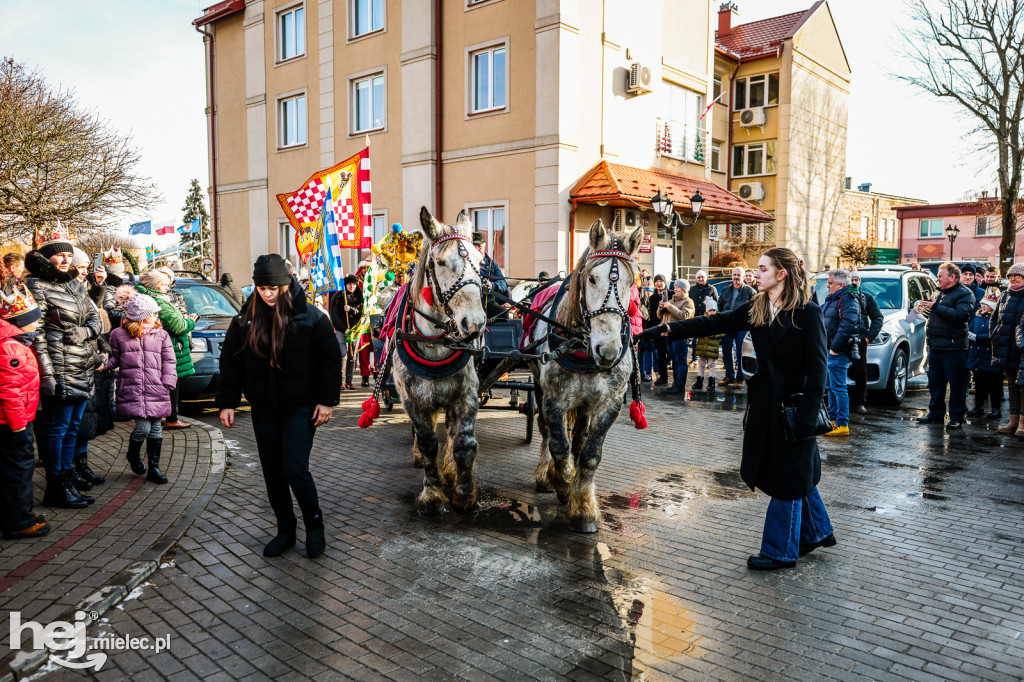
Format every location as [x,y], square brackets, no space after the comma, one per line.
[148,373]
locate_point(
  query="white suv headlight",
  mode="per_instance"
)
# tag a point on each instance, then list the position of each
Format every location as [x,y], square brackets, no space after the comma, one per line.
[200,345]
[882,339]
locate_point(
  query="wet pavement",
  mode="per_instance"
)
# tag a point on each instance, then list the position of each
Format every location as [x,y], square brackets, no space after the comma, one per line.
[924,584]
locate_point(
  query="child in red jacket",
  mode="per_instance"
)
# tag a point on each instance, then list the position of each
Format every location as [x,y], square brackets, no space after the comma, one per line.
[19,398]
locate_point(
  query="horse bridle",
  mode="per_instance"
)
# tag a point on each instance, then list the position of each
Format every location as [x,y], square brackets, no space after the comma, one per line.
[445,297]
[613,290]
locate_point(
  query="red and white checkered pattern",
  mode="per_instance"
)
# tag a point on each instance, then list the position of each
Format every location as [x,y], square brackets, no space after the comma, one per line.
[345,219]
[307,202]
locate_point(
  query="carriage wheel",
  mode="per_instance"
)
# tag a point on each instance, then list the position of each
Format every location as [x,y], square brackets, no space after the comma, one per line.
[531,409]
[389,401]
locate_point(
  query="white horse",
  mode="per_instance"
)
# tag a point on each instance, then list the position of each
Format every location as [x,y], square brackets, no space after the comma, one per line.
[584,395]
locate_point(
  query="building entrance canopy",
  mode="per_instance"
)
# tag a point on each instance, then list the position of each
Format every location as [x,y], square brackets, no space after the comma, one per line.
[609,184]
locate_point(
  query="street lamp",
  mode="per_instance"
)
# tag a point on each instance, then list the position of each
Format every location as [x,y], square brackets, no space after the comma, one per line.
[665,209]
[951,234]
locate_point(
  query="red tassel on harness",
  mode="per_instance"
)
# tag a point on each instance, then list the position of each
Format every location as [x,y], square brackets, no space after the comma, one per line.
[427,294]
[366,403]
[371,410]
[637,413]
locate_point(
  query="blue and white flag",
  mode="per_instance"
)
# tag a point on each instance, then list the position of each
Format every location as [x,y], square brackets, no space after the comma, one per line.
[145,227]
[190,228]
[325,268]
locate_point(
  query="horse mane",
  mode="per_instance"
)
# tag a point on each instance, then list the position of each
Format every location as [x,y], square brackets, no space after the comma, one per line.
[570,312]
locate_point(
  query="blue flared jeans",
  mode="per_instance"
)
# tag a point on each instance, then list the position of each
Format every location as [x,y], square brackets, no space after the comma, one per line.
[788,523]
[648,357]
[59,422]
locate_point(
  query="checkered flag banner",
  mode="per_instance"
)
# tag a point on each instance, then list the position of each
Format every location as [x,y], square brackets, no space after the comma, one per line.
[325,268]
[349,186]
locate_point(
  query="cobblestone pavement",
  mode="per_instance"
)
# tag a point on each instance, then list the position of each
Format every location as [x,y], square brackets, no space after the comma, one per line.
[925,583]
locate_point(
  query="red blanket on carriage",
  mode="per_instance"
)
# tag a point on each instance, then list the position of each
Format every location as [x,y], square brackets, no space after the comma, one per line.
[391,314]
[541,300]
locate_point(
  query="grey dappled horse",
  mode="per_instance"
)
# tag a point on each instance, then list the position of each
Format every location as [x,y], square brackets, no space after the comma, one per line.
[448,268]
[585,405]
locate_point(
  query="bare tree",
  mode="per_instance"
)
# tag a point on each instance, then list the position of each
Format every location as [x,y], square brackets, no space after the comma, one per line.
[853,250]
[100,240]
[972,52]
[58,161]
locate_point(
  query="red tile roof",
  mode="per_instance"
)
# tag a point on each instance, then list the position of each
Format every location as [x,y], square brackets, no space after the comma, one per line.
[761,38]
[628,186]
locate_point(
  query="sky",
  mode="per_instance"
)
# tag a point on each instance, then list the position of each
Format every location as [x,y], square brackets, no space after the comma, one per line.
[141,65]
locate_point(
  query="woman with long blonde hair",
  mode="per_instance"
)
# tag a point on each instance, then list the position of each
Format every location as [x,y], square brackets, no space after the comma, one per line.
[788,334]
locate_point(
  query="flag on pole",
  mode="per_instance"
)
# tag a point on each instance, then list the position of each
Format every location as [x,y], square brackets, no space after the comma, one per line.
[190,228]
[150,252]
[164,226]
[349,186]
[708,107]
[326,272]
[144,227]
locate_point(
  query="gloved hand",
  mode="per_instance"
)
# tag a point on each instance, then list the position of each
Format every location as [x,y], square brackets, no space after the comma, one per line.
[19,438]
[77,336]
[972,336]
[101,360]
[47,387]
[649,334]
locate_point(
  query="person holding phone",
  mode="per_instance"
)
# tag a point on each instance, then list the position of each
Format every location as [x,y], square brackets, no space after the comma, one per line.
[282,352]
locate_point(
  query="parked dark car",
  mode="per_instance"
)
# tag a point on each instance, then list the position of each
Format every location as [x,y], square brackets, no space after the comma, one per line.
[215,309]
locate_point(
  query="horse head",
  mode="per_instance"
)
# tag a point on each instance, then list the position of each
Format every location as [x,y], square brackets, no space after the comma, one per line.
[449,269]
[606,273]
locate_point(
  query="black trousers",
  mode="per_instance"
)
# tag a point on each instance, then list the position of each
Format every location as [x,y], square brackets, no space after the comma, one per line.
[284,438]
[661,345]
[16,465]
[859,373]
[947,367]
[988,385]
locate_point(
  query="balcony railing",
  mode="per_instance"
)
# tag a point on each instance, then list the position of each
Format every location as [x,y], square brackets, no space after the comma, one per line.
[683,141]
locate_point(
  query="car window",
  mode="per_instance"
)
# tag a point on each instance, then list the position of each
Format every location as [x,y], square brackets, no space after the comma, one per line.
[207,301]
[914,293]
[928,286]
[888,293]
[821,290]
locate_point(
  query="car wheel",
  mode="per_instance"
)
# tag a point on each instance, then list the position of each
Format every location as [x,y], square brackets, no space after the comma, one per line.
[896,388]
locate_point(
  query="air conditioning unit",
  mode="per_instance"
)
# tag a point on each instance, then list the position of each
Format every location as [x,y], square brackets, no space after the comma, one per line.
[751,191]
[625,220]
[752,118]
[640,79]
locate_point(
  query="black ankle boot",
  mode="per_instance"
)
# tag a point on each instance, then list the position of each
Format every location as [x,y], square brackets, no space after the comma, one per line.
[85,473]
[996,413]
[72,491]
[134,457]
[316,543]
[284,539]
[56,494]
[976,412]
[153,446]
[78,482]
[699,384]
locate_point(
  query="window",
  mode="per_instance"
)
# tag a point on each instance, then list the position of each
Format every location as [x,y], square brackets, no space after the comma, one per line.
[988,226]
[286,241]
[682,128]
[757,91]
[367,16]
[291,34]
[492,221]
[292,121]
[863,227]
[754,159]
[488,79]
[716,155]
[716,88]
[380,228]
[931,227]
[368,103]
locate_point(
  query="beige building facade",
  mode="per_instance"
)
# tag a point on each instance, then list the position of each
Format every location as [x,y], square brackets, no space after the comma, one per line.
[503,108]
[870,217]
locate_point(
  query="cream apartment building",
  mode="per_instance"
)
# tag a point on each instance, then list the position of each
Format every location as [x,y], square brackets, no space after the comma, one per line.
[536,116]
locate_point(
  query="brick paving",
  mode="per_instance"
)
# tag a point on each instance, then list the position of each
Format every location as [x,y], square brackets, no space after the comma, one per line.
[925,583]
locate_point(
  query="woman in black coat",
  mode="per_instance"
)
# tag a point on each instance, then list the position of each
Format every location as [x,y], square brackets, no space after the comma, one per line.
[283,354]
[788,334]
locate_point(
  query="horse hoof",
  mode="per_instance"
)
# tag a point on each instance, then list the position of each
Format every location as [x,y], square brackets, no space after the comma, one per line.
[464,507]
[433,509]
[562,498]
[583,525]
[544,488]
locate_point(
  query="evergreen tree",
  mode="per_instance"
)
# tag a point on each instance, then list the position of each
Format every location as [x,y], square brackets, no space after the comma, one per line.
[195,247]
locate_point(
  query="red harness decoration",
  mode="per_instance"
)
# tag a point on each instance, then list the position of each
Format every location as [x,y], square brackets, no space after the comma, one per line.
[404,316]
[637,413]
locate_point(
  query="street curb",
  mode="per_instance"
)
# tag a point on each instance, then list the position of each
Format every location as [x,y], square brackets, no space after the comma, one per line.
[21,664]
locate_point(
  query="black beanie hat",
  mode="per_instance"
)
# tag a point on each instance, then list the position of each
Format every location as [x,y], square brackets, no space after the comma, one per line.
[351,279]
[51,249]
[967,267]
[270,271]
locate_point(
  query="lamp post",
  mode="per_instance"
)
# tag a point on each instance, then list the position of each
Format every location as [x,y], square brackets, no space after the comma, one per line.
[951,234]
[665,208]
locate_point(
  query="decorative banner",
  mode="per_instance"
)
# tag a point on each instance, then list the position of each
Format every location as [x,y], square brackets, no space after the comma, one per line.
[325,270]
[144,227]
[348,184]
[189,228]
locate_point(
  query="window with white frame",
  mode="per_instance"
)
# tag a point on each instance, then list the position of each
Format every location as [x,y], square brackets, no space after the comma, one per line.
[931,227]
[716,87]
[682,128]
[757,158]
[863,227]
[368,103]
[716,155]
[488,79]
[988,226]
[286,241]
[367,16]
[291,33]
[380,229]
[491,221]
[291,116]
[756,91]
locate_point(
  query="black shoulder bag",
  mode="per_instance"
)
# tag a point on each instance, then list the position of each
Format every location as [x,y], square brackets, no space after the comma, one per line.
[790,406]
